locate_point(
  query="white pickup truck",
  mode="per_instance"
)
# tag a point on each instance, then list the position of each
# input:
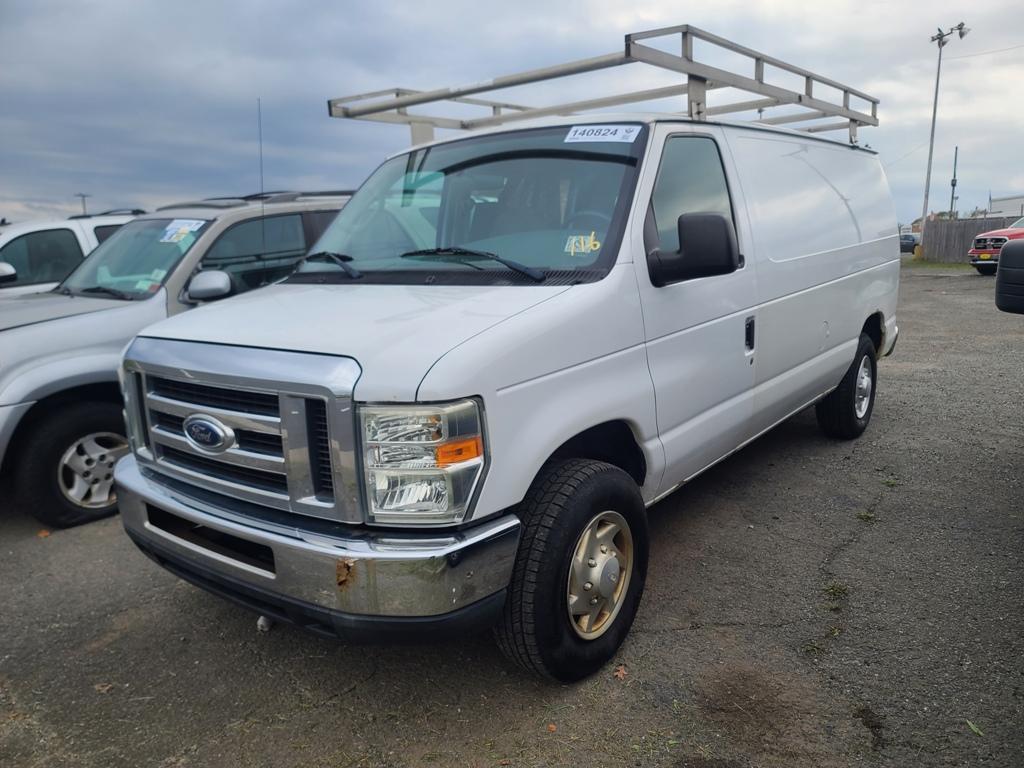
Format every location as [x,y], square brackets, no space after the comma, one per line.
[510,346]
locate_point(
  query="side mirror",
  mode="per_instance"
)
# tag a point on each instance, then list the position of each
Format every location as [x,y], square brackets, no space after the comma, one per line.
[8,274]
[209,285]
[707,247]
[1010,277]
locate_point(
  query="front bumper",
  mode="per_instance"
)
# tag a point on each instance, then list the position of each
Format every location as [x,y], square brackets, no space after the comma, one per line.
[353,584]
[979,258]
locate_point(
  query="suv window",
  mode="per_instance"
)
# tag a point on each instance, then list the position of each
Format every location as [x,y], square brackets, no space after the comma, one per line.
[317,222]
[104,231]
[259,251]
[43,257]
[690,180]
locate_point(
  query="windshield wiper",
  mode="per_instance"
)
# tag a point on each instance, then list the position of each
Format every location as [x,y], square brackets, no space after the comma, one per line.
[341,259]
[108,292]
[469,253]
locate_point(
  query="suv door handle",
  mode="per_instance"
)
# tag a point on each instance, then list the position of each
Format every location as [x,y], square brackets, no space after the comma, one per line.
[749,334]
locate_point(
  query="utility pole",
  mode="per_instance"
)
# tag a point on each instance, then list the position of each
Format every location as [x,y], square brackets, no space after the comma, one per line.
[82,196]
[952,184]
[941,39]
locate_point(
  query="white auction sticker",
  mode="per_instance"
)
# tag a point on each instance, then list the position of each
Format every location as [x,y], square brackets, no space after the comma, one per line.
[179,228]
[623,133]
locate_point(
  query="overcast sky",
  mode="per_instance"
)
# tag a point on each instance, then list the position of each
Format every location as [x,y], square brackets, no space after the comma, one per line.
[145,103]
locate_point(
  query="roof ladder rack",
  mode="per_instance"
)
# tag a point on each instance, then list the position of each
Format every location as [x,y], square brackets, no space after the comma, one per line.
[391,106]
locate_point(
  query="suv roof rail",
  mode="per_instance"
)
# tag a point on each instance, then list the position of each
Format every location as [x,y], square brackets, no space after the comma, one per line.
[286,197]
[123,212]
[235,201]
[111,212]
[213,202]
[391,106]
[329,193]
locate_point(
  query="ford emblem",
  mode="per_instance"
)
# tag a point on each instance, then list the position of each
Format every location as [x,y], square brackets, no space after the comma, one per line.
[208,434]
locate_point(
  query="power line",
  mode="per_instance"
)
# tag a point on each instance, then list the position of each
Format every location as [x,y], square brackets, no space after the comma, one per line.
[908,154]
[986,53]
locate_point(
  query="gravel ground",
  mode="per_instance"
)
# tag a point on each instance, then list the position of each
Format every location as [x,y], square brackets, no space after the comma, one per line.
[809,603]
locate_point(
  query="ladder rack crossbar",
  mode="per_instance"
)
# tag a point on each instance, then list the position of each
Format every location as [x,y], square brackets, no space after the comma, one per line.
[392,105]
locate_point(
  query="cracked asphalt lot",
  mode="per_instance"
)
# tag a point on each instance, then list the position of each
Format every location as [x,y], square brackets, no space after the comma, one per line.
[809,603]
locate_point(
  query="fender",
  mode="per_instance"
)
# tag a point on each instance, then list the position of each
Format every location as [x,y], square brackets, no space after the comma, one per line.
[51,356]
[552,372]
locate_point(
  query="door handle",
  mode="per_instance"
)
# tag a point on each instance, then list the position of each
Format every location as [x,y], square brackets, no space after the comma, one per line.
[749,334]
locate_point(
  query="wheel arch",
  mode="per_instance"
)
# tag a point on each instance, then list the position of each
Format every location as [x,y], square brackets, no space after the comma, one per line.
[874,327]
[98,391]
[613,441]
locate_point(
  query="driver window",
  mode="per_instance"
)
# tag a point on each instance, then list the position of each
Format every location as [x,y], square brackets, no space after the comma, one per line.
[690,180]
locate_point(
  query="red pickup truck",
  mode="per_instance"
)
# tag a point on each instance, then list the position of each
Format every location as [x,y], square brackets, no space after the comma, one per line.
[985,253]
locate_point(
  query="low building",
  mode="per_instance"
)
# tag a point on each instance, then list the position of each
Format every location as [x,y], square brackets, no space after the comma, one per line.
[1012,205]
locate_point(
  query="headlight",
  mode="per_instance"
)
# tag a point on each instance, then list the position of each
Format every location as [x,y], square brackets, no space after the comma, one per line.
[421,462]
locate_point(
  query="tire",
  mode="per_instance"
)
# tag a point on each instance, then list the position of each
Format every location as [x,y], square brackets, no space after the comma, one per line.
[46,483]
[536,631]
[842,413]
[986,269]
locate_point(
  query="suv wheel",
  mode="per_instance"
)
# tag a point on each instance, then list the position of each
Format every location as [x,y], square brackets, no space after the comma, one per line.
[580,570]
[66,472]
[846,411]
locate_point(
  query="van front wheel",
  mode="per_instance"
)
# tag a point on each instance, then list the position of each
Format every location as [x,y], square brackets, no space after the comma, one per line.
[846,411]
[580,570]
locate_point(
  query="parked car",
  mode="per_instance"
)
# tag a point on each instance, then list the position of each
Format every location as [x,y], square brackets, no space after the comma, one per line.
[61,425]
[36,255]
[512,344]
[984,253]
[908,242]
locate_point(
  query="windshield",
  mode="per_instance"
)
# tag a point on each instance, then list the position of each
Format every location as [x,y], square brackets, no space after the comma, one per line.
[134,261]
[1017,223]
[551,200]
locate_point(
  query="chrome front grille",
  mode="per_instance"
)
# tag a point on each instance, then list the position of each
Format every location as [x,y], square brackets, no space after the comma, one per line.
[262,403]
[988,243]
[319,447]
[288,445]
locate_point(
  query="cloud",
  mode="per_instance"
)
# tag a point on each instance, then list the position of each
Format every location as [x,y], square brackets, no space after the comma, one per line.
[146,103]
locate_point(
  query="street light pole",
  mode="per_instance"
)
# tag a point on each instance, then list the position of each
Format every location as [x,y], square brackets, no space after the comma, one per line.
[952,183]
[82,197]
[939,38]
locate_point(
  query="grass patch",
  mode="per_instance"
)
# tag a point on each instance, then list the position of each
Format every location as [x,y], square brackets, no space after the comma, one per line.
[956,265]
[836,590]
[867,516]
[811,648]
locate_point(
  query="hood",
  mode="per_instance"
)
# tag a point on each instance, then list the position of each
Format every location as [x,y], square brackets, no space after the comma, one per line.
[394,332]
[1011,233]
[32,308]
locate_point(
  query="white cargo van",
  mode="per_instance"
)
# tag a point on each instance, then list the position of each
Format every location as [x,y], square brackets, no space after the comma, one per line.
[510,346]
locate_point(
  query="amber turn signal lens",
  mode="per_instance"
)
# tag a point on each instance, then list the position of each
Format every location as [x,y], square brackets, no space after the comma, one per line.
[458,451]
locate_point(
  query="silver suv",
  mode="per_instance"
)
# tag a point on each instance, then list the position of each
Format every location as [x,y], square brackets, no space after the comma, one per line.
[61,424]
